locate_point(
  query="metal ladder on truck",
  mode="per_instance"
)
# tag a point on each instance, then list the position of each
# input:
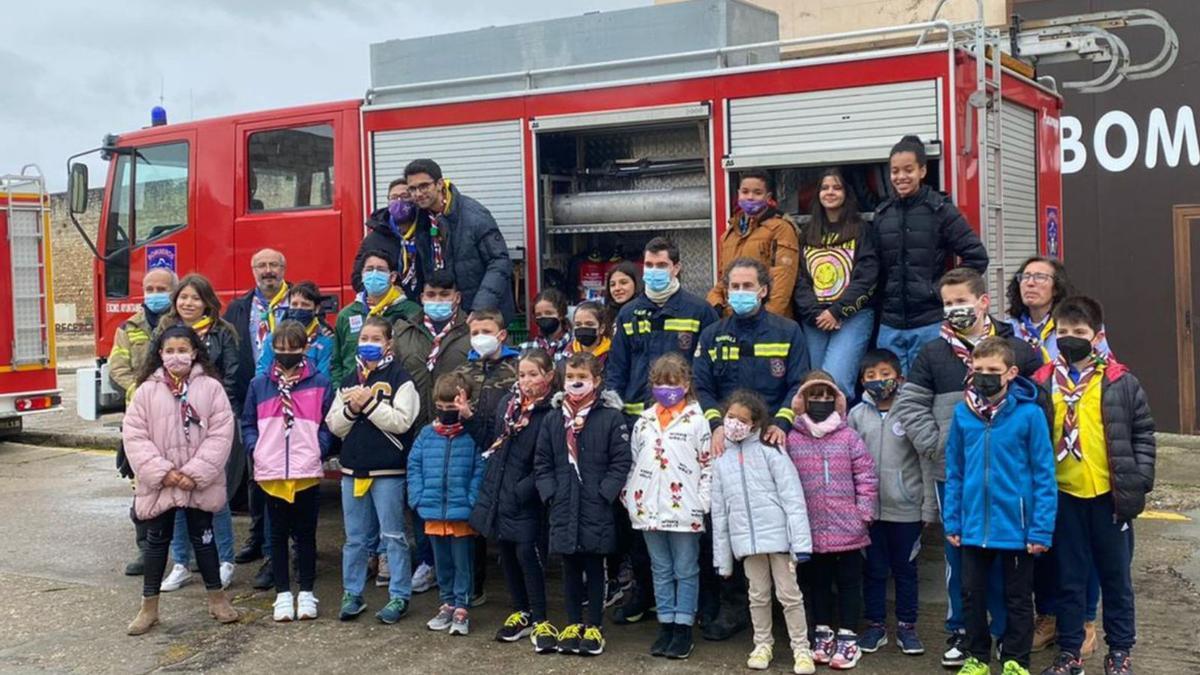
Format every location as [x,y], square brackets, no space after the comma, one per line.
[26,242]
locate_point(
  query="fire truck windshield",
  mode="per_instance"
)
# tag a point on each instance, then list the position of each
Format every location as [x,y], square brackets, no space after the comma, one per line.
[148,200]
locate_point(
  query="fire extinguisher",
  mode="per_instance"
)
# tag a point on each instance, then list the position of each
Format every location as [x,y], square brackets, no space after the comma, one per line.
[592,273]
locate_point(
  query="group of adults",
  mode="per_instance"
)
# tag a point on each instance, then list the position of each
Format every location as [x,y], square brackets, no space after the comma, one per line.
[790,299]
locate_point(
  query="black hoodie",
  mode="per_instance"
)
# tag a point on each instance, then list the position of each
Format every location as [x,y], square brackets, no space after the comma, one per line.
[381,237]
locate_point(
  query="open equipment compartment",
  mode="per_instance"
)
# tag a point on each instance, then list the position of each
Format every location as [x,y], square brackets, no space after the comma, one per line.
[609,182]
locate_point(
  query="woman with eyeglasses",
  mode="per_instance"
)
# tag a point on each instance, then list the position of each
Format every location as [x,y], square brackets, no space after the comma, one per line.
[392,229]
[1032,294]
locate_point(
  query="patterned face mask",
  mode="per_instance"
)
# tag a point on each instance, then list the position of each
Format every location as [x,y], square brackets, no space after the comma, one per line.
[736,430]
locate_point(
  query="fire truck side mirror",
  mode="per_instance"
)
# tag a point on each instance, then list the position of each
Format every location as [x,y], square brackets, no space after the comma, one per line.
[79,187]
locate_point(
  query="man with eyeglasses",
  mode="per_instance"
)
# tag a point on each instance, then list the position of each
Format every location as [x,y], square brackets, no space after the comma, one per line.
[392,231]
[457,233]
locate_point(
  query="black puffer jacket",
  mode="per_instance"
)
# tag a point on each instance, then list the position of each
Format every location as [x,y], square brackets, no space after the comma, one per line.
[914,235]
[475,252]
[382,238]
[582,519]
[508,507]
[1128,433]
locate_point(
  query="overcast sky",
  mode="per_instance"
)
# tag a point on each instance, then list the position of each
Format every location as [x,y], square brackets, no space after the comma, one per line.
[75,70]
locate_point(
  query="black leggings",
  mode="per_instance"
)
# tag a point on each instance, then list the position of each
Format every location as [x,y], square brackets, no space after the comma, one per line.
[525,577]
[297,521]
[159,531]
[576,567]
[818,577]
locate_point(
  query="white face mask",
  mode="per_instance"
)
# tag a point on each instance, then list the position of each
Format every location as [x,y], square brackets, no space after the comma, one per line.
[577,389]
[736,430]
[485,345]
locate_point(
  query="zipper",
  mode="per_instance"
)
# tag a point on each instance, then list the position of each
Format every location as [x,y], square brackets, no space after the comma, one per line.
[1022,502]
[987,467]
[446,480]
[746,498]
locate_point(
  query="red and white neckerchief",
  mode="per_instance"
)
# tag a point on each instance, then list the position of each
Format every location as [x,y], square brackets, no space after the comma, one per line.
[285,382]
[436,243]
[438,336]
[962,349]
[447,430]
[981,406]
[574,416]
[187,413]
[1072,392]
[556,349]
[516,417]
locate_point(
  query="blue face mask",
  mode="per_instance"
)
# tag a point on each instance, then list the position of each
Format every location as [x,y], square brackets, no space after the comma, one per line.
[656,279]
[304,316]
[157,302]
[743,302]
[376,282]
[439,310]
[370,352]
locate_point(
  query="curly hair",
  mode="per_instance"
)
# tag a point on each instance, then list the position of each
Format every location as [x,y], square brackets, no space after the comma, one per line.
[1062,285]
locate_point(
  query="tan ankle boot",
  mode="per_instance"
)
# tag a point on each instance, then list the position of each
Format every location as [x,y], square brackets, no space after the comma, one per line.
[146,617]
[219,607]
[1089,640]
[1045,632]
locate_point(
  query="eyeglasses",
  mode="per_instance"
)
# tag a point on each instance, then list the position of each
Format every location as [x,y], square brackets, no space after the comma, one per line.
[420,187]
[1035,277]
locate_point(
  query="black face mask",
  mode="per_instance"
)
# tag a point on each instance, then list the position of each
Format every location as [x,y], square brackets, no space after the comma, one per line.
[304,316]
[447,417]
[819,411]
[987,385]
[547,325]
[1075,349]
[289,361]
[587,336]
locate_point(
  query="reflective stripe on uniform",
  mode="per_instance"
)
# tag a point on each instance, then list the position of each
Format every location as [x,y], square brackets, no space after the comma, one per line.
[634,408]
[628,328]
[682,325]
[712,414]
[787,414]
[725,353]
[118,350]
[775,349]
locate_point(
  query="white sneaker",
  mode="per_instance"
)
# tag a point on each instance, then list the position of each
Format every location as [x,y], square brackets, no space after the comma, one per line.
[285,609]
[423,579]
[384,576]
[179,576]
[226,574]
[306,606]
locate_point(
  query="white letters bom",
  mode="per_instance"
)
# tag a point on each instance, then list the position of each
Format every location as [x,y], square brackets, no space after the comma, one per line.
[1117,130]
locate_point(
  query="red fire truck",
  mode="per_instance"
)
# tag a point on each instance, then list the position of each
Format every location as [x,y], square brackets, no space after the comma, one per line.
[28,381]
[589,158]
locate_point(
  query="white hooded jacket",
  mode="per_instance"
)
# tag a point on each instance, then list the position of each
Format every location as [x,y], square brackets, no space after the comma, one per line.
[669,482]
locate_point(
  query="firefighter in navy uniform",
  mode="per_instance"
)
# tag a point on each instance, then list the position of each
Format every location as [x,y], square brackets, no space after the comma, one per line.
[763,352]
[663,319]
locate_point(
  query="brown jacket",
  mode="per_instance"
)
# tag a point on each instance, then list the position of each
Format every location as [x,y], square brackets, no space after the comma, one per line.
[771,239]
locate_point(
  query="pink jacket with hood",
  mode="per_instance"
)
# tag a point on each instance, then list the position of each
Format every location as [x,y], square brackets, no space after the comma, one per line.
[155,444]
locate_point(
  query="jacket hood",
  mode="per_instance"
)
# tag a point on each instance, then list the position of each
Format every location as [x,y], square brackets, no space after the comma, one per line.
[378,221]
[608,399]
[799,406]
[1022,390]
[505,352]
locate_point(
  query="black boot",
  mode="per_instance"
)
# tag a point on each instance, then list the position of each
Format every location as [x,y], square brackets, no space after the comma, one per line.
[137,566]
[734,615]
[666,632]
[681,643]
[253,550]
[634,608]
[265,578]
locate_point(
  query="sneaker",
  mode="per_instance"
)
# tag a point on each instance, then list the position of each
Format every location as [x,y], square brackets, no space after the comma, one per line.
[352,606]
[423,579]
[1118,663]
[306,606]
[955,654]
[1014,668]
[847,654]
[264,578]
[760,658]
[824,644]
[666,631]
[544,638]
[285,609]
[974,666]
[592,643]
[226,574]
[569,638]
[515,627]
[179,576]
[613,593]
[906,638]
[393,611]
[461,623]
[479,599]
[1065,663]
[681,643]
[1045,632]
[1090,640]
[443,620]
[802,663]
[384,576]
[874,637]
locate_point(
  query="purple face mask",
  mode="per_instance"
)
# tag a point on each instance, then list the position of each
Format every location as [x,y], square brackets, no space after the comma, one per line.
[401,210]
[752,207]
[669,396]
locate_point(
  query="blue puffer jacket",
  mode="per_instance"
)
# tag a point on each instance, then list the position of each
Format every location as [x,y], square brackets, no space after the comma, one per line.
[1001,491]
[444,475]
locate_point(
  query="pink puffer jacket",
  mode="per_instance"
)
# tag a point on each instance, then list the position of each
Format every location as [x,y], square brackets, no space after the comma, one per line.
[155,444]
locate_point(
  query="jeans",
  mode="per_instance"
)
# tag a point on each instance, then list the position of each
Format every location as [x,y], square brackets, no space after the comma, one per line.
[222,525]
[1085,534]
[454,561]
[525,577]
[818,577]
[583,573]
[381,509]
[1046,589]
[675,564]
[838,352]
[954,586]
[894,548]
[159,532]
[298,521]
[422,549]
[1016,592]
[906,343]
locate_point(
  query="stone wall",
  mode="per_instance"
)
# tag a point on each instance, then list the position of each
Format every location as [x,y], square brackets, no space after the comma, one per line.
[73,265]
